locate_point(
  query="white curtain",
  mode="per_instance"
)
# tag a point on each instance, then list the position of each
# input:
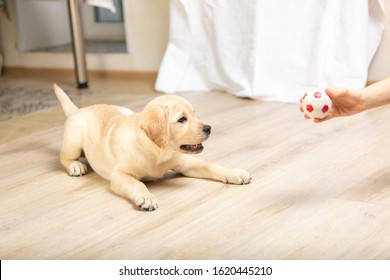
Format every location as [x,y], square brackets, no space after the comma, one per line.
[274,50]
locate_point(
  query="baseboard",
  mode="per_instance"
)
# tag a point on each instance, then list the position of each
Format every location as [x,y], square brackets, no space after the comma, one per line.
[35,72]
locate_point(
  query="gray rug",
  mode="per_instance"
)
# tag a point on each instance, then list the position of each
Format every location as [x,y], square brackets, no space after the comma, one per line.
[16,101]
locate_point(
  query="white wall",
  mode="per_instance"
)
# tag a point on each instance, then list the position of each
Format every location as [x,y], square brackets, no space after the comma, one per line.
[41,24]
[380,66]
[148,24]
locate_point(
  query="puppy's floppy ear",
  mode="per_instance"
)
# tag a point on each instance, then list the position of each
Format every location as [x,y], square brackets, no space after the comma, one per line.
[154,122]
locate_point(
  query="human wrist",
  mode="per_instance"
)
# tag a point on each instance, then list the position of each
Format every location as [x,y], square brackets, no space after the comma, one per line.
[363,101]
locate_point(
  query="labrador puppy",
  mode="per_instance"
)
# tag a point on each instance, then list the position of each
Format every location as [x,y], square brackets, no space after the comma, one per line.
[127,148]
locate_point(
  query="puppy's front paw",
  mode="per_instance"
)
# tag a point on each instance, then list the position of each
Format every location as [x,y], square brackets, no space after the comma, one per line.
[238,177]
[77,168]
[147,202]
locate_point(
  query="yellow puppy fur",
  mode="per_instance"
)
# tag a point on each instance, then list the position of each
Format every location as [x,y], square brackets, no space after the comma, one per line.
[128,148]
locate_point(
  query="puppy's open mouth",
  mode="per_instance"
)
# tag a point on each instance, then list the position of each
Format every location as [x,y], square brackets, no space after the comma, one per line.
[192,148]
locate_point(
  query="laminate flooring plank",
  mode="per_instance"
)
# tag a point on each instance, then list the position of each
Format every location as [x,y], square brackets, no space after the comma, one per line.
[319,191]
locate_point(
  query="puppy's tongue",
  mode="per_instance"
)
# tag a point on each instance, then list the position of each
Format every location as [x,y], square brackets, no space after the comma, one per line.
[192,148]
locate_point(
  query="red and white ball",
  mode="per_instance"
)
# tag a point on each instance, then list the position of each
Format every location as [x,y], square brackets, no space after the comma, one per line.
[316,104]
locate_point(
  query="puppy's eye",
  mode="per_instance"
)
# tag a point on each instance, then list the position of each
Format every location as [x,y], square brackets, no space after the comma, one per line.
[182,120]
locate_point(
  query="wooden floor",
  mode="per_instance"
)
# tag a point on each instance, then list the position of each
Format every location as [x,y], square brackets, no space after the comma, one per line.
[319,191]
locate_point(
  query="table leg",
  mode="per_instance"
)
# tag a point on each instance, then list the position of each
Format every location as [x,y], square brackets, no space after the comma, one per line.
[78,43]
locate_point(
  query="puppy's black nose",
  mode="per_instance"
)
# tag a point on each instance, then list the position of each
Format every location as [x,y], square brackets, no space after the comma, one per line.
[207,129]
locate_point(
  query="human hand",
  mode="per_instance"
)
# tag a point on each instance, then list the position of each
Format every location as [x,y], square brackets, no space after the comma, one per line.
[345,102]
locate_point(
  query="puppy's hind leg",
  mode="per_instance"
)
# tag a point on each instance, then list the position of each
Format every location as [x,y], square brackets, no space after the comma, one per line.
[69,155]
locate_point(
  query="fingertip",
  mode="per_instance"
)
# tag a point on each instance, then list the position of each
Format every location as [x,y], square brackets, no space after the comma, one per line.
[318,120]
[328,117]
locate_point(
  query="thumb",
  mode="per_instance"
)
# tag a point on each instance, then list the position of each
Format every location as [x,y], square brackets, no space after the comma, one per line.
[331,92]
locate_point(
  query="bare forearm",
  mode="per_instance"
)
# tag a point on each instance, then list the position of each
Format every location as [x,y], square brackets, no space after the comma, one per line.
[377,94]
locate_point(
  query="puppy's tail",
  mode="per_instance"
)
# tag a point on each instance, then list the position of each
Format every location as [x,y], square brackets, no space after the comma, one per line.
[67,104]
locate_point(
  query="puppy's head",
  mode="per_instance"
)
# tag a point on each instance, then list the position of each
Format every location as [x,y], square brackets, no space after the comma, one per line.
[169,121]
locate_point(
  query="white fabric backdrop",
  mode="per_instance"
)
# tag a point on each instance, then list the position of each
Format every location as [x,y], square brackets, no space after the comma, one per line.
[275,50]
